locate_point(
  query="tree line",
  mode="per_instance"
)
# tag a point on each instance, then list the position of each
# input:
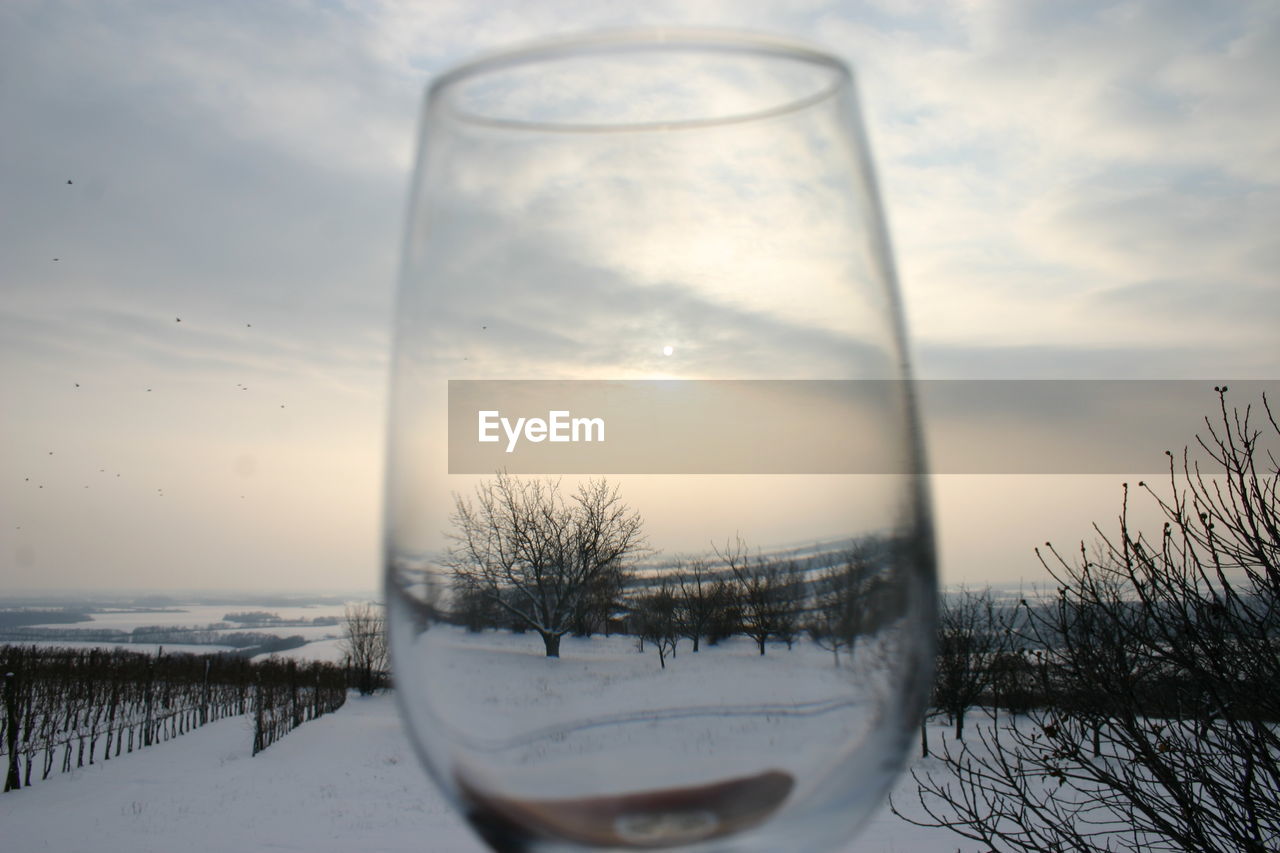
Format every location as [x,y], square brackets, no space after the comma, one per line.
[248,643]
[1146,682]
[527,558]
[831,598]
[24,616]
[67,708]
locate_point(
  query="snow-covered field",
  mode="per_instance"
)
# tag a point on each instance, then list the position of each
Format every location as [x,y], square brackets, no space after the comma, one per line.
[514,715]
[346,782]
[326,651]
[350,780]
[321,645]
[147,648]
[198,615]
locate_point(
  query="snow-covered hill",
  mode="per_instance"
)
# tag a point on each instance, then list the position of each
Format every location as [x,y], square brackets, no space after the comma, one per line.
[345,782]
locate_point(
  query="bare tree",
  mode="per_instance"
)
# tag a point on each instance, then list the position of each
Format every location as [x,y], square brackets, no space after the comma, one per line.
[844,602]
[657,621]
[790,609]
[538,556]
[696,601]
[725,617]
[769,594]
[599,601]
[1161,657]
[971,636]
[1013,682]
[364,645]
[474,610]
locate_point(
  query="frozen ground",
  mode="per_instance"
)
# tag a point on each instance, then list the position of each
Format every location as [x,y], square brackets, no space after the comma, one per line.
[345,782]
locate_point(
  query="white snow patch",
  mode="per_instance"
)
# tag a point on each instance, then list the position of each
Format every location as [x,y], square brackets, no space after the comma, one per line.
[347,781]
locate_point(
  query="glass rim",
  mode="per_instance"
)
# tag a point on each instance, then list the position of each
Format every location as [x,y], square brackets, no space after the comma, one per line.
[646,40]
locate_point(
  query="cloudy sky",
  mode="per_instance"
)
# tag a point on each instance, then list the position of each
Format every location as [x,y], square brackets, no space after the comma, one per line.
[201,208]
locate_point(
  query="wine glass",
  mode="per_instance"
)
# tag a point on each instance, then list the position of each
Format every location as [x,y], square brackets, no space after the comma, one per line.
[659,564]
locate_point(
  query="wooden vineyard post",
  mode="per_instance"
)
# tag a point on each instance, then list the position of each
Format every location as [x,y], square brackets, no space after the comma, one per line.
[12,780]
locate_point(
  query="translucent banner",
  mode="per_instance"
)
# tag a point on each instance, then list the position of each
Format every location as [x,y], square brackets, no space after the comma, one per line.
[833,426]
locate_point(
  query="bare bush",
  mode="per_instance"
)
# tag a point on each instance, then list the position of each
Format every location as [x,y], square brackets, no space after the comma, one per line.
[1158,665]
[364,646]
[971,639]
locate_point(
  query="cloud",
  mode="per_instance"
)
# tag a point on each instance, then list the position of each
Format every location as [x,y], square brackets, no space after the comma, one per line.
[516,302]
[1212,360]
[1033,156]
[233,163]
[1038,157]
[1075,190]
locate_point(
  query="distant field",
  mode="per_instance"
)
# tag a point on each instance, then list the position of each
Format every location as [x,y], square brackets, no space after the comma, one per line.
[347,781]
[82,626]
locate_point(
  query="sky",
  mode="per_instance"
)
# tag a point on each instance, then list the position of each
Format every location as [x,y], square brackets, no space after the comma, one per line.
[203,207]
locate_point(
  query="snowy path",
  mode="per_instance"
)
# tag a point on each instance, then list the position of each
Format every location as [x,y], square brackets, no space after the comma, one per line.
[345,782]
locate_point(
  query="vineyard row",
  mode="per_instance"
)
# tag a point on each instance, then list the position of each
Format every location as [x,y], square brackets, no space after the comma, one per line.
[65,708]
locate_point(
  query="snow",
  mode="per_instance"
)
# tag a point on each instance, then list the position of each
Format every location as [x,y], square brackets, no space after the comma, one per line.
[724,712]
[328,651]
[495,711]
[202,615]
[144,648]
[346,781]
[321,645]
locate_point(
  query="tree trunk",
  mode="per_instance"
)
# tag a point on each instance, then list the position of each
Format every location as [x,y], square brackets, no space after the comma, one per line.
[960,724]
[12,779]
[552,642]
[924,739]
[204,696]
[760,641]
[149,707]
